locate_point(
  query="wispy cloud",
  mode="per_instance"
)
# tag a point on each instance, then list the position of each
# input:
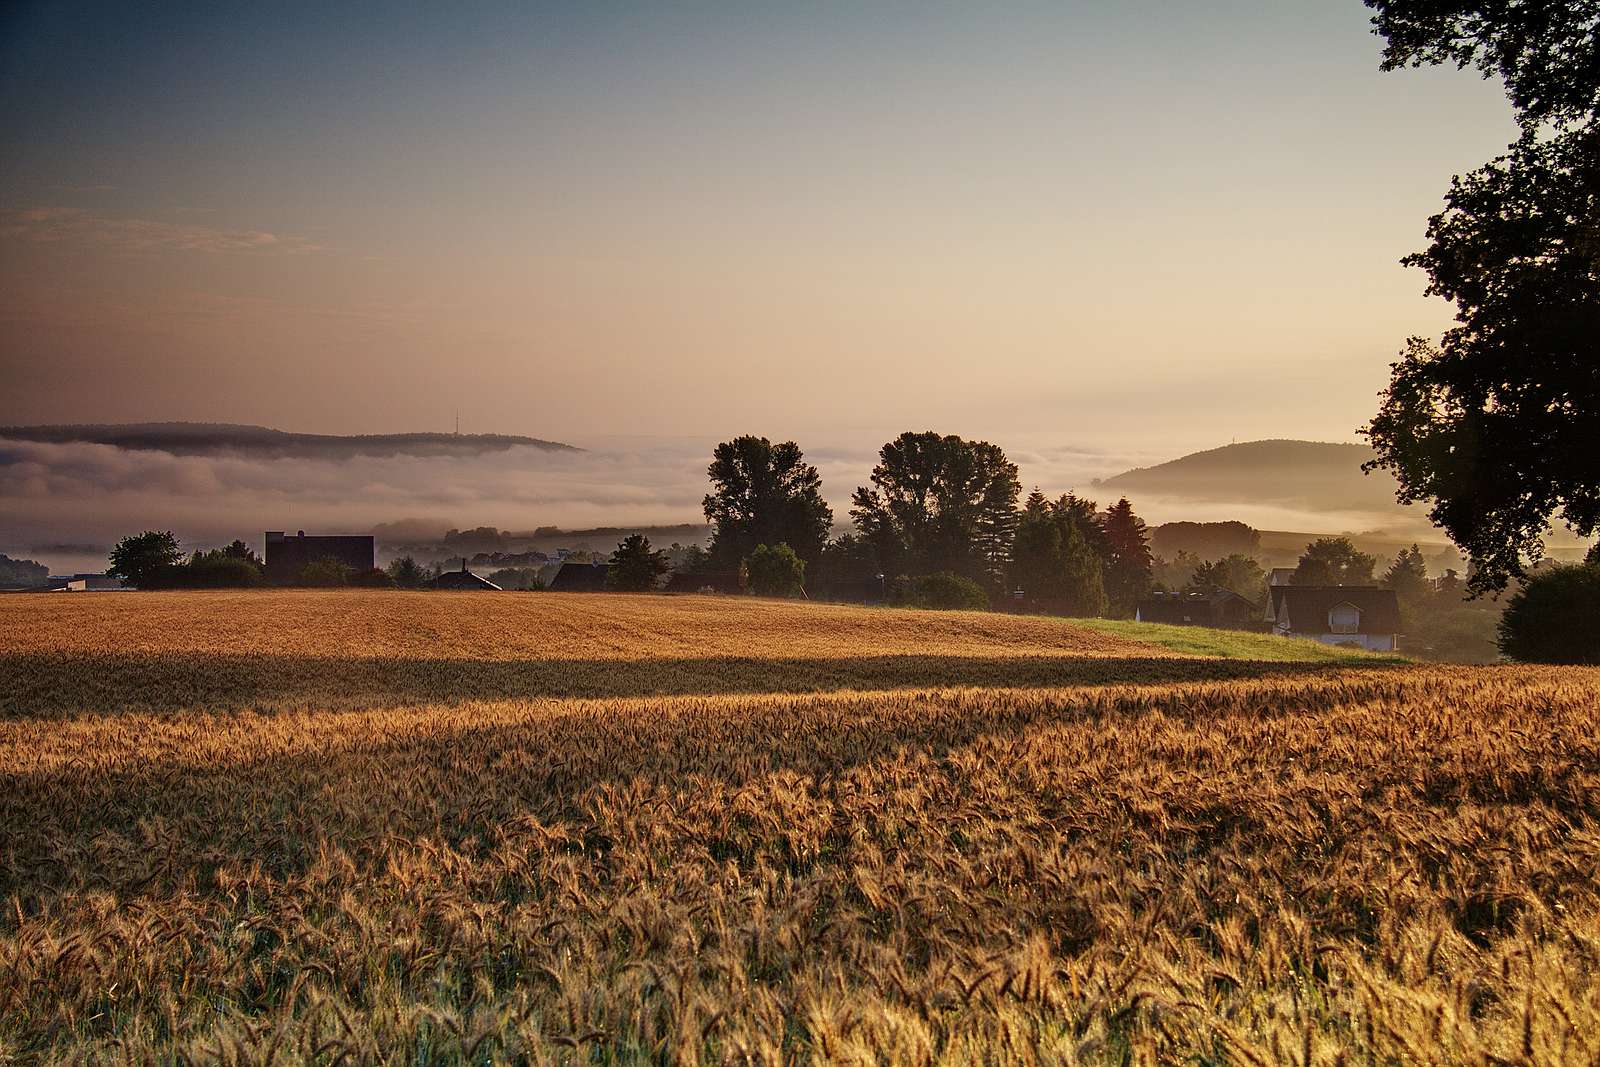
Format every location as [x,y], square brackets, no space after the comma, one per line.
[75,226]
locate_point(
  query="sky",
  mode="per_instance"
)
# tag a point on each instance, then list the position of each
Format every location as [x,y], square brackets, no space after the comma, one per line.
[1099,235]
[1158,222]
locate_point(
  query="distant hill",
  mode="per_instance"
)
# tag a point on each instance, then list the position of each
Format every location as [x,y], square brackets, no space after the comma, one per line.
[1311,475]
[196,438]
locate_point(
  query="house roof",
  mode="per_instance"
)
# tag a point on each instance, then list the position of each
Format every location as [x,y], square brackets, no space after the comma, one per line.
[1194,605]
[580,578]
[462,579]
[1305,607]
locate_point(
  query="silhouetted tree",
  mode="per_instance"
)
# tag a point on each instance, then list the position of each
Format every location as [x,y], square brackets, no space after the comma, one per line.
[1555,617]
[140,559]
[1496,423]
[1128,560]
[764,493]
[408,574]
[522,579]
[635,566]
[1235,573]
[940,503]
[1177,573]
[23,573]
[239,550]
[1333,561]
[1052,561]
[775,570]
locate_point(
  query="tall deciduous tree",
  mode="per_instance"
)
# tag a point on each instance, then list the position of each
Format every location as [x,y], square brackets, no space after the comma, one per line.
[940,503]
[1496,423]
[764,493]
[141,558]
[1333,561]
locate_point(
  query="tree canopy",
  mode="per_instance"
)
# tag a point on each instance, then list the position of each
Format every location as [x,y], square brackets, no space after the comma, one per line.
[764,494]
[1333,561]
[940,503]
[140,558]
[1495,423]
[635,566]
[1128,566]
[1052,560]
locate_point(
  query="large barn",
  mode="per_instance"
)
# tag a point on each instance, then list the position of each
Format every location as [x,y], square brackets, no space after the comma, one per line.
[288,556]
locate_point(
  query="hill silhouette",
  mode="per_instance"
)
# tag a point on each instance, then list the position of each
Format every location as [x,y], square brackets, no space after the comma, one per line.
[1309,475]
[199,438]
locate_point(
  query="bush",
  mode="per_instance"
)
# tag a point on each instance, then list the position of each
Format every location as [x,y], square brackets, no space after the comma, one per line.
[944,591]
[1555,617]
[775,570]
[519,578]
[373,579]
[214,570]
[325,573]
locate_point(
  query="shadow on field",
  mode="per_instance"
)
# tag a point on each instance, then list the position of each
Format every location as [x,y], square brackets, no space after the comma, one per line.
[146,823]
[36,685]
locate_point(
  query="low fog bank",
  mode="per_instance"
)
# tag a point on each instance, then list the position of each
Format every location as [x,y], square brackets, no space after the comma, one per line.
[64,504]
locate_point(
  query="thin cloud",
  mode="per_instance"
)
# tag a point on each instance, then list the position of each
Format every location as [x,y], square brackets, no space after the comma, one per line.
[75,226]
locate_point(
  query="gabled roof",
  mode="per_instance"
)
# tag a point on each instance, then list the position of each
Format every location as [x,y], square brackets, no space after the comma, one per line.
[1305,607]
[462,580]
[580,578]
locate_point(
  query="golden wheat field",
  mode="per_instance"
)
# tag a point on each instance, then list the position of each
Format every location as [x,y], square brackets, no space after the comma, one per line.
[299,827]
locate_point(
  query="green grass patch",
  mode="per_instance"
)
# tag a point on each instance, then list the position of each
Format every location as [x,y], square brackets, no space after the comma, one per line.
[1235,644]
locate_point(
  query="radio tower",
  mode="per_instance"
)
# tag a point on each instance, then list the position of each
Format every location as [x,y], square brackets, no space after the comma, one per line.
[458,422]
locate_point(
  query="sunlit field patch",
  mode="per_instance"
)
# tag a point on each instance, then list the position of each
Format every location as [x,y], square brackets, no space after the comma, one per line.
[394,828]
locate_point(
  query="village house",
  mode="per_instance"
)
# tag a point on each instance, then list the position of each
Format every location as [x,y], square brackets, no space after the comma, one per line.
[1220,608]
[1363,615]
[580,578]
[463,579]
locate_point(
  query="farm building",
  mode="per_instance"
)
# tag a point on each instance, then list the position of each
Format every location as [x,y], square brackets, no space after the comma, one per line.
[288,556]
[1363,615]
[81,583]
[580,578]
[463,579]
[1217,607]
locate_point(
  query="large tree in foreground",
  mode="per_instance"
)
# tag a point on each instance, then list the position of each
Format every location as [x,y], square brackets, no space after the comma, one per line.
[764,494]
[1496,423]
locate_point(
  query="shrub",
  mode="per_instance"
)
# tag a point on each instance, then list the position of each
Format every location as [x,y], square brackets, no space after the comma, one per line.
[776,570]
[945,591]
[373,579]
[214,570]
[1555,617]
[324,573]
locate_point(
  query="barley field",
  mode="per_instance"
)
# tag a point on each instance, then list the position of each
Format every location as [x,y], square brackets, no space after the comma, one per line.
[301,827]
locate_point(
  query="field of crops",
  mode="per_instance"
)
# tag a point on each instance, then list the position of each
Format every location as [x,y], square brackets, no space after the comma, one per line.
[300,827]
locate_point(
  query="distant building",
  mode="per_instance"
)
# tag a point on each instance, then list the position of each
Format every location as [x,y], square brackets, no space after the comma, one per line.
[85,583]
[1220,608]
[463,579]
[705,582]
[1363,615]
[1280,576]
[580,578]
[288,556]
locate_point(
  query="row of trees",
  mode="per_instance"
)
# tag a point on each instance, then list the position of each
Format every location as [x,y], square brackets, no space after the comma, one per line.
[155,560]
[937,505]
